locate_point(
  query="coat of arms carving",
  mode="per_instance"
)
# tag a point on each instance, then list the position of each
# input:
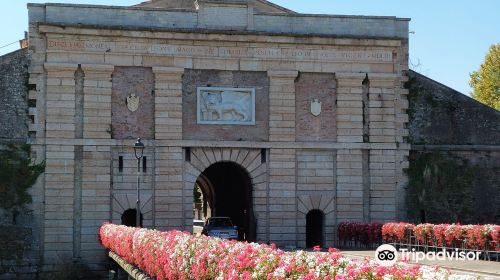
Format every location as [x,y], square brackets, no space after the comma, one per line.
[133,102]
[315,107]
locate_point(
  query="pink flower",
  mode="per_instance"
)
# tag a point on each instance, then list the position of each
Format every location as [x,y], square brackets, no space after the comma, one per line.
[180,255]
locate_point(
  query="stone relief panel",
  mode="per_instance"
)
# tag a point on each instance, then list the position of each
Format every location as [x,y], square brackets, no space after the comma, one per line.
[226,106]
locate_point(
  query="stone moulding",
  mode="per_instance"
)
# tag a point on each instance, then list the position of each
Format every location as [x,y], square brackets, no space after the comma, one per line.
[219,105]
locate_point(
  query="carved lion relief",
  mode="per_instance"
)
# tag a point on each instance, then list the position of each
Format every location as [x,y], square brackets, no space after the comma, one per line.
[226,106]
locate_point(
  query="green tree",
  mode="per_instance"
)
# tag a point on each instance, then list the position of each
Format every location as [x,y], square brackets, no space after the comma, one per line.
[486,81]
[17,175]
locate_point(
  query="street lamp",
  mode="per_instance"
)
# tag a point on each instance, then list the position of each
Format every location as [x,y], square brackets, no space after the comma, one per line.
[138,151]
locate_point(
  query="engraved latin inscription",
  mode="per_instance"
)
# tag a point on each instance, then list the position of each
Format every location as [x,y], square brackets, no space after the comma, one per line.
[229,52]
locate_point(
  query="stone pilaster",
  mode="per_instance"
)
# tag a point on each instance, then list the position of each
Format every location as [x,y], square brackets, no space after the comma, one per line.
[282,197]
[97,101]
[383,165]
[383,184]
[403,152]
[350,185]
[381,107]
[59,216]
[95,201]
[282,105]
[60,164]
[169,210]
[350,118]
[350,107]
[168,102]
[168,192]
[60,100]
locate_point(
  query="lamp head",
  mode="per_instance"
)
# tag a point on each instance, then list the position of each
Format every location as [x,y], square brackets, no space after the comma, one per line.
[138,148]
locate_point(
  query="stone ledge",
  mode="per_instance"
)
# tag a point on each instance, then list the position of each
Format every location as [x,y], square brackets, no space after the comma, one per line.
[105,68]
[455,147]
[168,70]
[50,66]
[350,76]
[283,74]
[223,144]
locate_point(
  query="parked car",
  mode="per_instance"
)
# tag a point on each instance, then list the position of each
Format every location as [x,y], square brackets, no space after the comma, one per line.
[220,227]
[198,226]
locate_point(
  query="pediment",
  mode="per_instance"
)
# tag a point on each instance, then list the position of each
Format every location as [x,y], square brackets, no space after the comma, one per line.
[168,4]
[261,6]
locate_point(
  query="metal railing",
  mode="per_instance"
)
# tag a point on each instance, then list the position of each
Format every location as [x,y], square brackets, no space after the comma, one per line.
[490,251]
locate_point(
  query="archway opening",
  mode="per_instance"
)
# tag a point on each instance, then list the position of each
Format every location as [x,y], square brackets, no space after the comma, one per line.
[203,198]
[227,189]
[314,228]
[129,218]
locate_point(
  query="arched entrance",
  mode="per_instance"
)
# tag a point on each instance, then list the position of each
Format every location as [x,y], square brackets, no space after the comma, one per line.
[314,228]
[129,218]
[228,189]
[203,198]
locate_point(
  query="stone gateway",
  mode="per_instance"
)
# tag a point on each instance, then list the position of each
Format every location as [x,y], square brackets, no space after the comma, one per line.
[288,123]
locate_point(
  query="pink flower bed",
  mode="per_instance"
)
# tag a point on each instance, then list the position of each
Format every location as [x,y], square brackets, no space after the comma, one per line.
[424,233]
[451,235]
[396,232]
[180,255]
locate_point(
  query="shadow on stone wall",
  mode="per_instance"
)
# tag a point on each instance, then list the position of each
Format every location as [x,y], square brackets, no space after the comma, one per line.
[455,157]
[454,187]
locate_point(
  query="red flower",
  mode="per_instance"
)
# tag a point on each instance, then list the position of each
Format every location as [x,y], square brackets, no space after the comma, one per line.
[424,233]
[396,232]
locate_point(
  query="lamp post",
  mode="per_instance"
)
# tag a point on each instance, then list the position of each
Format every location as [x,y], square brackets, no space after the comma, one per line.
[138,151]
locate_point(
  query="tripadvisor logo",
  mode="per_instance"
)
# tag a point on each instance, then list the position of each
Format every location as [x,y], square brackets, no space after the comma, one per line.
[387,255]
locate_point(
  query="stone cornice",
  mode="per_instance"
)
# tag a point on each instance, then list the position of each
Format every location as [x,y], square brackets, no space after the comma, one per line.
[223,144]
[220,35]
[283,74]
[57,67]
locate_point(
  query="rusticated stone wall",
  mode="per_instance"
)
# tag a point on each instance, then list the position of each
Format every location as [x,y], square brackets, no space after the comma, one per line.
[442,120]
[19,228]
[13,96]
[440,115]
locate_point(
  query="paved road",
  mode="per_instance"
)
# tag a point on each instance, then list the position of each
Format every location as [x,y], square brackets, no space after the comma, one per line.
[486,269]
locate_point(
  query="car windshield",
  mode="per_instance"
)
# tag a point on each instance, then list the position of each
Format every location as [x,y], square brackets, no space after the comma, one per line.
[220,222]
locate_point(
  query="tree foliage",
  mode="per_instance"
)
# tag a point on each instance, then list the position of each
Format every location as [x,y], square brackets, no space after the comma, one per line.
[197,194]
[17,175]
[486,80]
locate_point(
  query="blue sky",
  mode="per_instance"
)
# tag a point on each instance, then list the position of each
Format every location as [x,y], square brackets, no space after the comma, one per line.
[450,41]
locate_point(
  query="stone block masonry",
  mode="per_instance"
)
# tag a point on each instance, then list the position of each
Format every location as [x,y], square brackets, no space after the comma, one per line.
[13,93]
[346,163]
[342,159]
